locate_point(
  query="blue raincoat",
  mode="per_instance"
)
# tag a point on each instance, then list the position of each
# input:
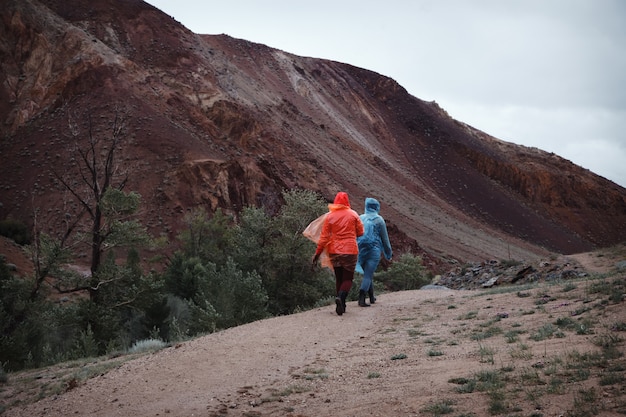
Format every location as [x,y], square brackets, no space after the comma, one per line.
[373,242]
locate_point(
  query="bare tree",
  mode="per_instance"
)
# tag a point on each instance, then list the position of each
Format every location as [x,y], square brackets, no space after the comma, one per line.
[95,174]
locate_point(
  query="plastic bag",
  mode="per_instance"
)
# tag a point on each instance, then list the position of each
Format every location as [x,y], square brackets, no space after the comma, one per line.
[313,232]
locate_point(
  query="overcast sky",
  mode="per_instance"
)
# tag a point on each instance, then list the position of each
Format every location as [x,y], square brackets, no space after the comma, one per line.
[544,73]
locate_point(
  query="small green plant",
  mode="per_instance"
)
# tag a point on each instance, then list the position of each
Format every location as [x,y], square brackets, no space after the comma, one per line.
[507,368]
[467,388]
[486,354]
[521,352]
[585,403]
[600,287]
[398,356]
[533,394]
[285,392]
[435,353]
[581,310]
[491,331]
[497,404]
[544,299]
[619,326]
[612,378]
[556,385]
[311,374]
[147,345]
[584,327]
[489,380]
[617,295]
[414,333]
[507,263]
[512,336]
[607,341]
[544,332]
[439,408]
[373,375]
[566,323]
[531,377]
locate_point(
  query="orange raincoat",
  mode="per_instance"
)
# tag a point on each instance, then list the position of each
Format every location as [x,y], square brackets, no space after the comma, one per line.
[341,228]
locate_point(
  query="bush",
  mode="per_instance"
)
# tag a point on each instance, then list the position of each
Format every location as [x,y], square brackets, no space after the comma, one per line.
[147,345]
[4,378]
[15,230]
[407,273]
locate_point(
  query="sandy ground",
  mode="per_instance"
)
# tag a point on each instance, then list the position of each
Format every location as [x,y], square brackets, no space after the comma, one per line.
[395,358]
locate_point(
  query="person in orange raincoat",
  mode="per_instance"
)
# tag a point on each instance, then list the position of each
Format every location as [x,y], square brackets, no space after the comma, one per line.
[341,228]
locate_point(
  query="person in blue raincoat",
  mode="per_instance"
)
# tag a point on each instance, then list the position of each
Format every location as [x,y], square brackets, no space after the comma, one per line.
[372,243]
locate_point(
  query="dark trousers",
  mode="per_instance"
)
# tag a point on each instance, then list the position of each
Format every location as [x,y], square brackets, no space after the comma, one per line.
[343,265]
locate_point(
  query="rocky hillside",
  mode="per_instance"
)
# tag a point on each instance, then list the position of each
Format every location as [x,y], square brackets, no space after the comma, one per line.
[220,122]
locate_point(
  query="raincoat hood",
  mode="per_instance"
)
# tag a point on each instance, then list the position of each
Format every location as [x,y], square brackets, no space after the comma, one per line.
[372,206]
[342,198]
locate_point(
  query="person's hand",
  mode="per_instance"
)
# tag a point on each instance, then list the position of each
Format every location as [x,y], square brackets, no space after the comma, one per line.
[314,262]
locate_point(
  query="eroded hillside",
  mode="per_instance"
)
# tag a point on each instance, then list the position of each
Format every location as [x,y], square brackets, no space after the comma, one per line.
[223,122]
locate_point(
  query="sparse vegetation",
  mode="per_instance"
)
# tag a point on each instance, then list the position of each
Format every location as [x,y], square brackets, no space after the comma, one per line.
[486,354]
[532,375]
[312,374]
[439,408]
[544,332]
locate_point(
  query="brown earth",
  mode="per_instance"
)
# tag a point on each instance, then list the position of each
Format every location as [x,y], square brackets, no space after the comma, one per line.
[396,358]
[218,122]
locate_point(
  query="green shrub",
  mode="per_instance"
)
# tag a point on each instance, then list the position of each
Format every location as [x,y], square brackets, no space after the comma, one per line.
[406,273]
[439,408]
[15,230]
[147,345]
[4,378]
[544,332]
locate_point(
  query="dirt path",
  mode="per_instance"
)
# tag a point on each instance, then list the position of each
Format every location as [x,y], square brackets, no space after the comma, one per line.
[394,358]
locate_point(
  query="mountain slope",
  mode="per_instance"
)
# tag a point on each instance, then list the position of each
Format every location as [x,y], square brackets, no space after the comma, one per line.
[223,122]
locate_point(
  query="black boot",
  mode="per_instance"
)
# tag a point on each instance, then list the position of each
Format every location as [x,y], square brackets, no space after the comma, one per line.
[371,294]
[340,300]
[362,302]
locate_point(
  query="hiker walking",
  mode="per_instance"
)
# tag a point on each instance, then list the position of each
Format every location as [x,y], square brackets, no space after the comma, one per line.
[340,230]
[372,243]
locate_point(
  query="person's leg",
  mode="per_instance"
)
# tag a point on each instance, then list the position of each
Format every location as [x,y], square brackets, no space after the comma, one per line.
[369,266]
[370,290]
[344,266]
[368,274]
[338,278]
[346,278]
[349,264]
[340,305]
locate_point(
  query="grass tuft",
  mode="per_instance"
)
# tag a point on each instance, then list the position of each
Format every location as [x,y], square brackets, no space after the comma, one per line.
[147,345]
[439,408]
